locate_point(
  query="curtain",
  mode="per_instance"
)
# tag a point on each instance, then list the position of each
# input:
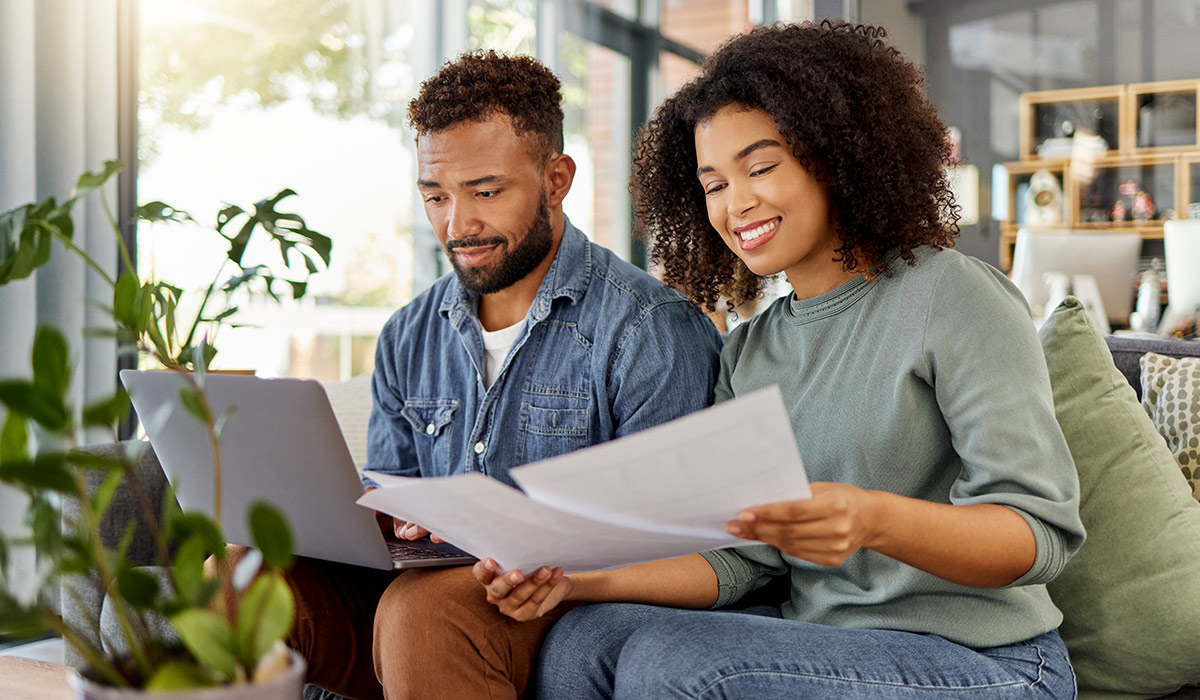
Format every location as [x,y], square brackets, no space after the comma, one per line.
[58,118]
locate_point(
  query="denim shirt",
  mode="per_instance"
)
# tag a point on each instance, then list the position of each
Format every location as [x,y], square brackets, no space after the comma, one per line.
[607,350]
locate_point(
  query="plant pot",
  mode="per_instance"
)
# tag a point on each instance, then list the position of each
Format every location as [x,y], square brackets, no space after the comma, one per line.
[289,685]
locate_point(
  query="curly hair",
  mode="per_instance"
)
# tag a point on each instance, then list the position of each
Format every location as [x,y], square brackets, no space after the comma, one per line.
[478,85]
[851,109]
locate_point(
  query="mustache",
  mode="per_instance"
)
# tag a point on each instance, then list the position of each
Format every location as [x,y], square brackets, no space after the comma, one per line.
[476,242]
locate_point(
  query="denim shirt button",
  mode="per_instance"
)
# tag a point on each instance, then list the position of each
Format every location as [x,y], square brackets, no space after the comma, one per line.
[479,448]
[430,429]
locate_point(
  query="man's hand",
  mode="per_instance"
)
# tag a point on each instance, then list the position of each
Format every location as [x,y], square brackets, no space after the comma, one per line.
[412,531]
[402,529]
[519,597]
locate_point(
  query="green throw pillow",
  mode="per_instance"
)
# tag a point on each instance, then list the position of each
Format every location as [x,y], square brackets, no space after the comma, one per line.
[1171,395]
[1131,613]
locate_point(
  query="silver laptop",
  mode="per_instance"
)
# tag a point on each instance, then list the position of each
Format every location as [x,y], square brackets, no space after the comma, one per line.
[282,445]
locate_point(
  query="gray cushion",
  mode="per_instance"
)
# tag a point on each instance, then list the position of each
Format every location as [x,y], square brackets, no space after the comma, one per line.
[1126,351]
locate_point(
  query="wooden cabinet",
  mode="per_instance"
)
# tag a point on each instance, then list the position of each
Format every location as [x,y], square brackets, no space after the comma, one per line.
[1124,157]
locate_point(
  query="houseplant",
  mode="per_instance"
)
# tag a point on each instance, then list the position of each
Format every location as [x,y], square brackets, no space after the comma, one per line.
[209,642]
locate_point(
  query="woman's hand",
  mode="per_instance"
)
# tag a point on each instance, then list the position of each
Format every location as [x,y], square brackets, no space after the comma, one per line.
[826,529]
[520,597]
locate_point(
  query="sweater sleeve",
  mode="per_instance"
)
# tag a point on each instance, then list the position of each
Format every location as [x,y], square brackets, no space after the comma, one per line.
[990,378]
[740,570]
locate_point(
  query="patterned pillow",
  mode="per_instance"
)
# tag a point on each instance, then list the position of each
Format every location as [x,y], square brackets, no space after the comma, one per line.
[1171,395]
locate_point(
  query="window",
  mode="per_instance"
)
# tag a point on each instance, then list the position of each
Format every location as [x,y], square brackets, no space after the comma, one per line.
[238,101]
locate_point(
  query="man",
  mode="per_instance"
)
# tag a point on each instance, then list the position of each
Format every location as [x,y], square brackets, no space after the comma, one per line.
[540,343]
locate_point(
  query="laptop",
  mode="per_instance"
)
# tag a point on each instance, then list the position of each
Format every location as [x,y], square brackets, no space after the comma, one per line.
[281,445]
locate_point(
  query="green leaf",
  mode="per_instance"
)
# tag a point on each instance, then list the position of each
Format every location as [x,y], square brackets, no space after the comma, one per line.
[107,412]
[226,215]
[179,675]
[24,240]
[90,181]
[194,523]
[189,569]
[264,617]
[247,274]
[225,314]
[51,361]
[137,587]
[14,438]
[237,245]
[193,403]
[125,299]
[104,493]
[209,638]
[161,211]
[37,403]
[16,620]
[143,307]
[46,471]
[126,538]
[92,460]
[271,535]
[198,357]
[44,520]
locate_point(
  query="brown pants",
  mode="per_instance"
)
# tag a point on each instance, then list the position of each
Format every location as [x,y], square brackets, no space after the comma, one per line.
[424,634]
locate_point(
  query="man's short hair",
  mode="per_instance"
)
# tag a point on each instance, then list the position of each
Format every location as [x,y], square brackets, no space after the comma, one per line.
[481,84]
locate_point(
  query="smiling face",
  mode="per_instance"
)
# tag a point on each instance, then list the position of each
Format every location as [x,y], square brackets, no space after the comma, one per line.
[772,212]
[489,203]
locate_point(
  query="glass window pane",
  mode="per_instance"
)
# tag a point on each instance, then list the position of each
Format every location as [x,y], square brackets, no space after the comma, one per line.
[596,89]
[674,72]
[505,25]
[241,100]
[1176,25]
[703,24]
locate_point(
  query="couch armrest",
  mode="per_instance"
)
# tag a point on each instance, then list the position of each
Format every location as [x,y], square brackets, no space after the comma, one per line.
[83,596]
[127,504]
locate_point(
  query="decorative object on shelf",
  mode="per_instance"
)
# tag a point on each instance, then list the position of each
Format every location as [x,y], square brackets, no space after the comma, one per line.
[1095,211]
[1126,139]
[1143,206]
[217,628]
[1118,212]
[1193,210]
[1044,200]
[1149,299]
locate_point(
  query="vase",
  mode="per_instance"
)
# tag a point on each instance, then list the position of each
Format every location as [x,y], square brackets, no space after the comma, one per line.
[288,685]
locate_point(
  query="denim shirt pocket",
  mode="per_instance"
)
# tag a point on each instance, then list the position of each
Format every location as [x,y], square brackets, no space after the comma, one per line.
[550,432]
[431,421]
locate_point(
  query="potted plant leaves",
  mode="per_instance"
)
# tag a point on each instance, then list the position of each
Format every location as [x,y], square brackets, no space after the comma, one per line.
[200,629]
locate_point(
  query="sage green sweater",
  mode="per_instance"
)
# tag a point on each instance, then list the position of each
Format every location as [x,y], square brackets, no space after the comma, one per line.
[929,382]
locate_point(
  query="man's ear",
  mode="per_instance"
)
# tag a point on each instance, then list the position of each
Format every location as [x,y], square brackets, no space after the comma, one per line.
[560,173]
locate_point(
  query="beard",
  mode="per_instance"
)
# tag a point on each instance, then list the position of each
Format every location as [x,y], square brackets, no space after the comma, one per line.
[515,263]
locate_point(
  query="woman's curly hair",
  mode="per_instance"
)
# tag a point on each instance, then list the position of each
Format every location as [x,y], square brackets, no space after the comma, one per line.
[476,86]
[851,109]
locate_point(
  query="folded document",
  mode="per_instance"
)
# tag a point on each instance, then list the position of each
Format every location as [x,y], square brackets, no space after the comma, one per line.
[660,493]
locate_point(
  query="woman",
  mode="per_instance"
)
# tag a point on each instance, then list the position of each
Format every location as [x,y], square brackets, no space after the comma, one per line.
[944,497]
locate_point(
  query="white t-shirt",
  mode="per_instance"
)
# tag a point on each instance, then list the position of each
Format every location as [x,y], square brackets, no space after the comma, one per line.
[496,345]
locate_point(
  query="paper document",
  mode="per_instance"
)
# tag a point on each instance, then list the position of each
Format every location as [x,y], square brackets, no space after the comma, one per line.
[660,493]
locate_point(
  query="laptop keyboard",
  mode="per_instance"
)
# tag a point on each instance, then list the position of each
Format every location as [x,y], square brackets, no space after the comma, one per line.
[401,552]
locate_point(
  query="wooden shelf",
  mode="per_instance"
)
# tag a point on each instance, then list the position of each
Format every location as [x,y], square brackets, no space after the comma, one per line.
[1092,183]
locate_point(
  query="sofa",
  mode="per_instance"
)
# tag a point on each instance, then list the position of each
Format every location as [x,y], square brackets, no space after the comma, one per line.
[351,403]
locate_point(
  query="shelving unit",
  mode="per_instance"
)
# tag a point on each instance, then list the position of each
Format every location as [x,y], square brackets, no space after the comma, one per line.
[1147,157]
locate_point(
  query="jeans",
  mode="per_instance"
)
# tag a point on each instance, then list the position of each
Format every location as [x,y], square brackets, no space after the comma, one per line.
[620,650]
